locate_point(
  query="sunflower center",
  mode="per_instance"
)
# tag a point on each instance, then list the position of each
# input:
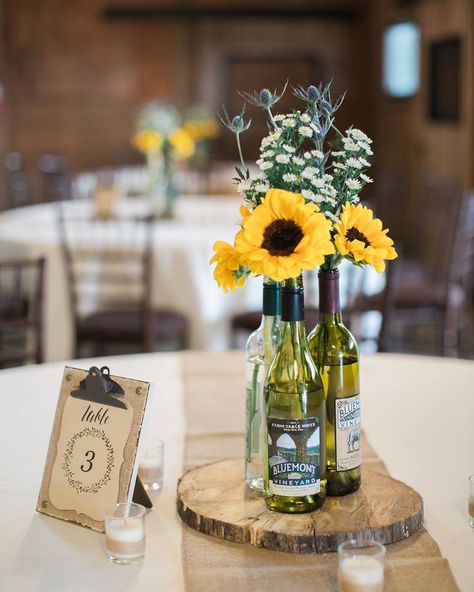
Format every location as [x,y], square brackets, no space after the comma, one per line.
[281,237]
[354,234]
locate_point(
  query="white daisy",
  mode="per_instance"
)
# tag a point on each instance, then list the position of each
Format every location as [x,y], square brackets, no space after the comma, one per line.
[317,154]
[328,178]
[318,183]
[358,134]
[298,161]
[244,185]
[289,148]
[265,165]
[306,118]
[289,122]
[350,146]
[289,177]
[332,217]
[307,155]
[329,190]
[268,153]
[366,178]
[309,172]
[353,184]
[365,147]
[338,153]
[307,194]
[282,158]
[279,117]
[354,163]
[339,165]
[262,187]
[364,161]
[305,131]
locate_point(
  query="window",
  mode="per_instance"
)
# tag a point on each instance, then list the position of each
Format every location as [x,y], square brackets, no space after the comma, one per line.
[401,60]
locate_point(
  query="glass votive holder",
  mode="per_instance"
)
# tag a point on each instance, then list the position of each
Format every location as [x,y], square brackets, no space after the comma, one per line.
[125,532]
[361,566]
[470,505]
[151,464]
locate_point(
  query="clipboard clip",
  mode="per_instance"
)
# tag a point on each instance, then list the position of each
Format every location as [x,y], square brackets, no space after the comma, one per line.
[99,387]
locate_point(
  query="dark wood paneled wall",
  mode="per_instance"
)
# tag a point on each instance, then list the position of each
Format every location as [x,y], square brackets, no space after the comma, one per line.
[75,80]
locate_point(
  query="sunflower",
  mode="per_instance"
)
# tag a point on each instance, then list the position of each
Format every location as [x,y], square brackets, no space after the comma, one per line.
[182,143]
[229,273]
[360,236]
[283,236]
[148,141]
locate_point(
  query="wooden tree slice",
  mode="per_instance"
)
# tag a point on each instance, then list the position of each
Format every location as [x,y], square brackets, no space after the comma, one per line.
[214,499]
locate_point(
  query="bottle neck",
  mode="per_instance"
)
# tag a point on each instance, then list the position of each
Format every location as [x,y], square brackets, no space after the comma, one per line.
[271,304]
[292,312]
[329,302]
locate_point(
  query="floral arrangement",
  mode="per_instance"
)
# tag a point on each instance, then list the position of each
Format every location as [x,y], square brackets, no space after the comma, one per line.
[160,127]
[303,209]
[160,130]
[165,137]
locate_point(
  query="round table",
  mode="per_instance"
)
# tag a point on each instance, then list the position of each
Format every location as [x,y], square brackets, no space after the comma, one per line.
[417,415]
[182,276]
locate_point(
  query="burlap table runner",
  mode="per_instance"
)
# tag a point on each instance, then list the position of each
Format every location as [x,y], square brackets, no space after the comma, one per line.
[214,413]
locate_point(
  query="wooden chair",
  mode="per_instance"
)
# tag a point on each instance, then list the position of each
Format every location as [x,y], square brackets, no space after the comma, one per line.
[55,178]
[360,302]
[21,311]
[109,268]
[442,296]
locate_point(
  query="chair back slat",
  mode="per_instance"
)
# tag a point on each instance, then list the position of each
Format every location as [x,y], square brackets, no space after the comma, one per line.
[439,206]
[107,262]
[21,310]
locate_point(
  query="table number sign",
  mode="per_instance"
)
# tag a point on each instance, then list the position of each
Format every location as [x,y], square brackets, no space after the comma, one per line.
[92,455]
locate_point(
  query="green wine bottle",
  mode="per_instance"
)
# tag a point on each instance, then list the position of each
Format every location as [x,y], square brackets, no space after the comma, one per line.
[336,355]
[295,461]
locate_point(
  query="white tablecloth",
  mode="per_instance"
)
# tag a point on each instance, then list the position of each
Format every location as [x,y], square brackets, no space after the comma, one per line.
[417,414]
[182,274]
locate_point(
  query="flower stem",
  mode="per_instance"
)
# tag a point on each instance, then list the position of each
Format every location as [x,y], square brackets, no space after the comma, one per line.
[237,137]
[270,115]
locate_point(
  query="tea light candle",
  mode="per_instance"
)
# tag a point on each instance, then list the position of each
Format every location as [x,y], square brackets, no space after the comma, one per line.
[125,539]
[125,533]
[150,468]
[360,574]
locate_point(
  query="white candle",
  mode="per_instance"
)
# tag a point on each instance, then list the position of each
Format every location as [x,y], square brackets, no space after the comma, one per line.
[125,538]
[360,574]
[150,467]
[150,463]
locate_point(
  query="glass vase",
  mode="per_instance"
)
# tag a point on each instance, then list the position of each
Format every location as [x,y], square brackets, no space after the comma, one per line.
[260,349]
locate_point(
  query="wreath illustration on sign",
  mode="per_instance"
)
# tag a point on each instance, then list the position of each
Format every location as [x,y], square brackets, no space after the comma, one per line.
[76,484]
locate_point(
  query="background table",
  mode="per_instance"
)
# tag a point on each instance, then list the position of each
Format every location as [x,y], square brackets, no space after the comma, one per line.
[182,276]
[417,414]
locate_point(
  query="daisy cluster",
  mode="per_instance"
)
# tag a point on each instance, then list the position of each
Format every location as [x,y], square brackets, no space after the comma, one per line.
[350,165]
[290,159]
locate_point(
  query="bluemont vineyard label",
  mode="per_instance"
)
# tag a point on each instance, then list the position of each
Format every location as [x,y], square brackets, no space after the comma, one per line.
[347,415]
[294,456]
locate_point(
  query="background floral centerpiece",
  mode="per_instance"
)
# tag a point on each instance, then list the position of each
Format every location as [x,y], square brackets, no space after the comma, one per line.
[162,137]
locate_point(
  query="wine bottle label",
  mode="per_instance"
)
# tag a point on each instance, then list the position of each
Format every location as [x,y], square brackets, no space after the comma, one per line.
[294,456]
[347,414]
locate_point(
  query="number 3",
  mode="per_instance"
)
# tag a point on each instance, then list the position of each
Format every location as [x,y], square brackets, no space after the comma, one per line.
[90,455]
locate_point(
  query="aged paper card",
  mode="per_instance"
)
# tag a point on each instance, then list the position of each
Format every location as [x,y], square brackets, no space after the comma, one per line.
[92,454]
